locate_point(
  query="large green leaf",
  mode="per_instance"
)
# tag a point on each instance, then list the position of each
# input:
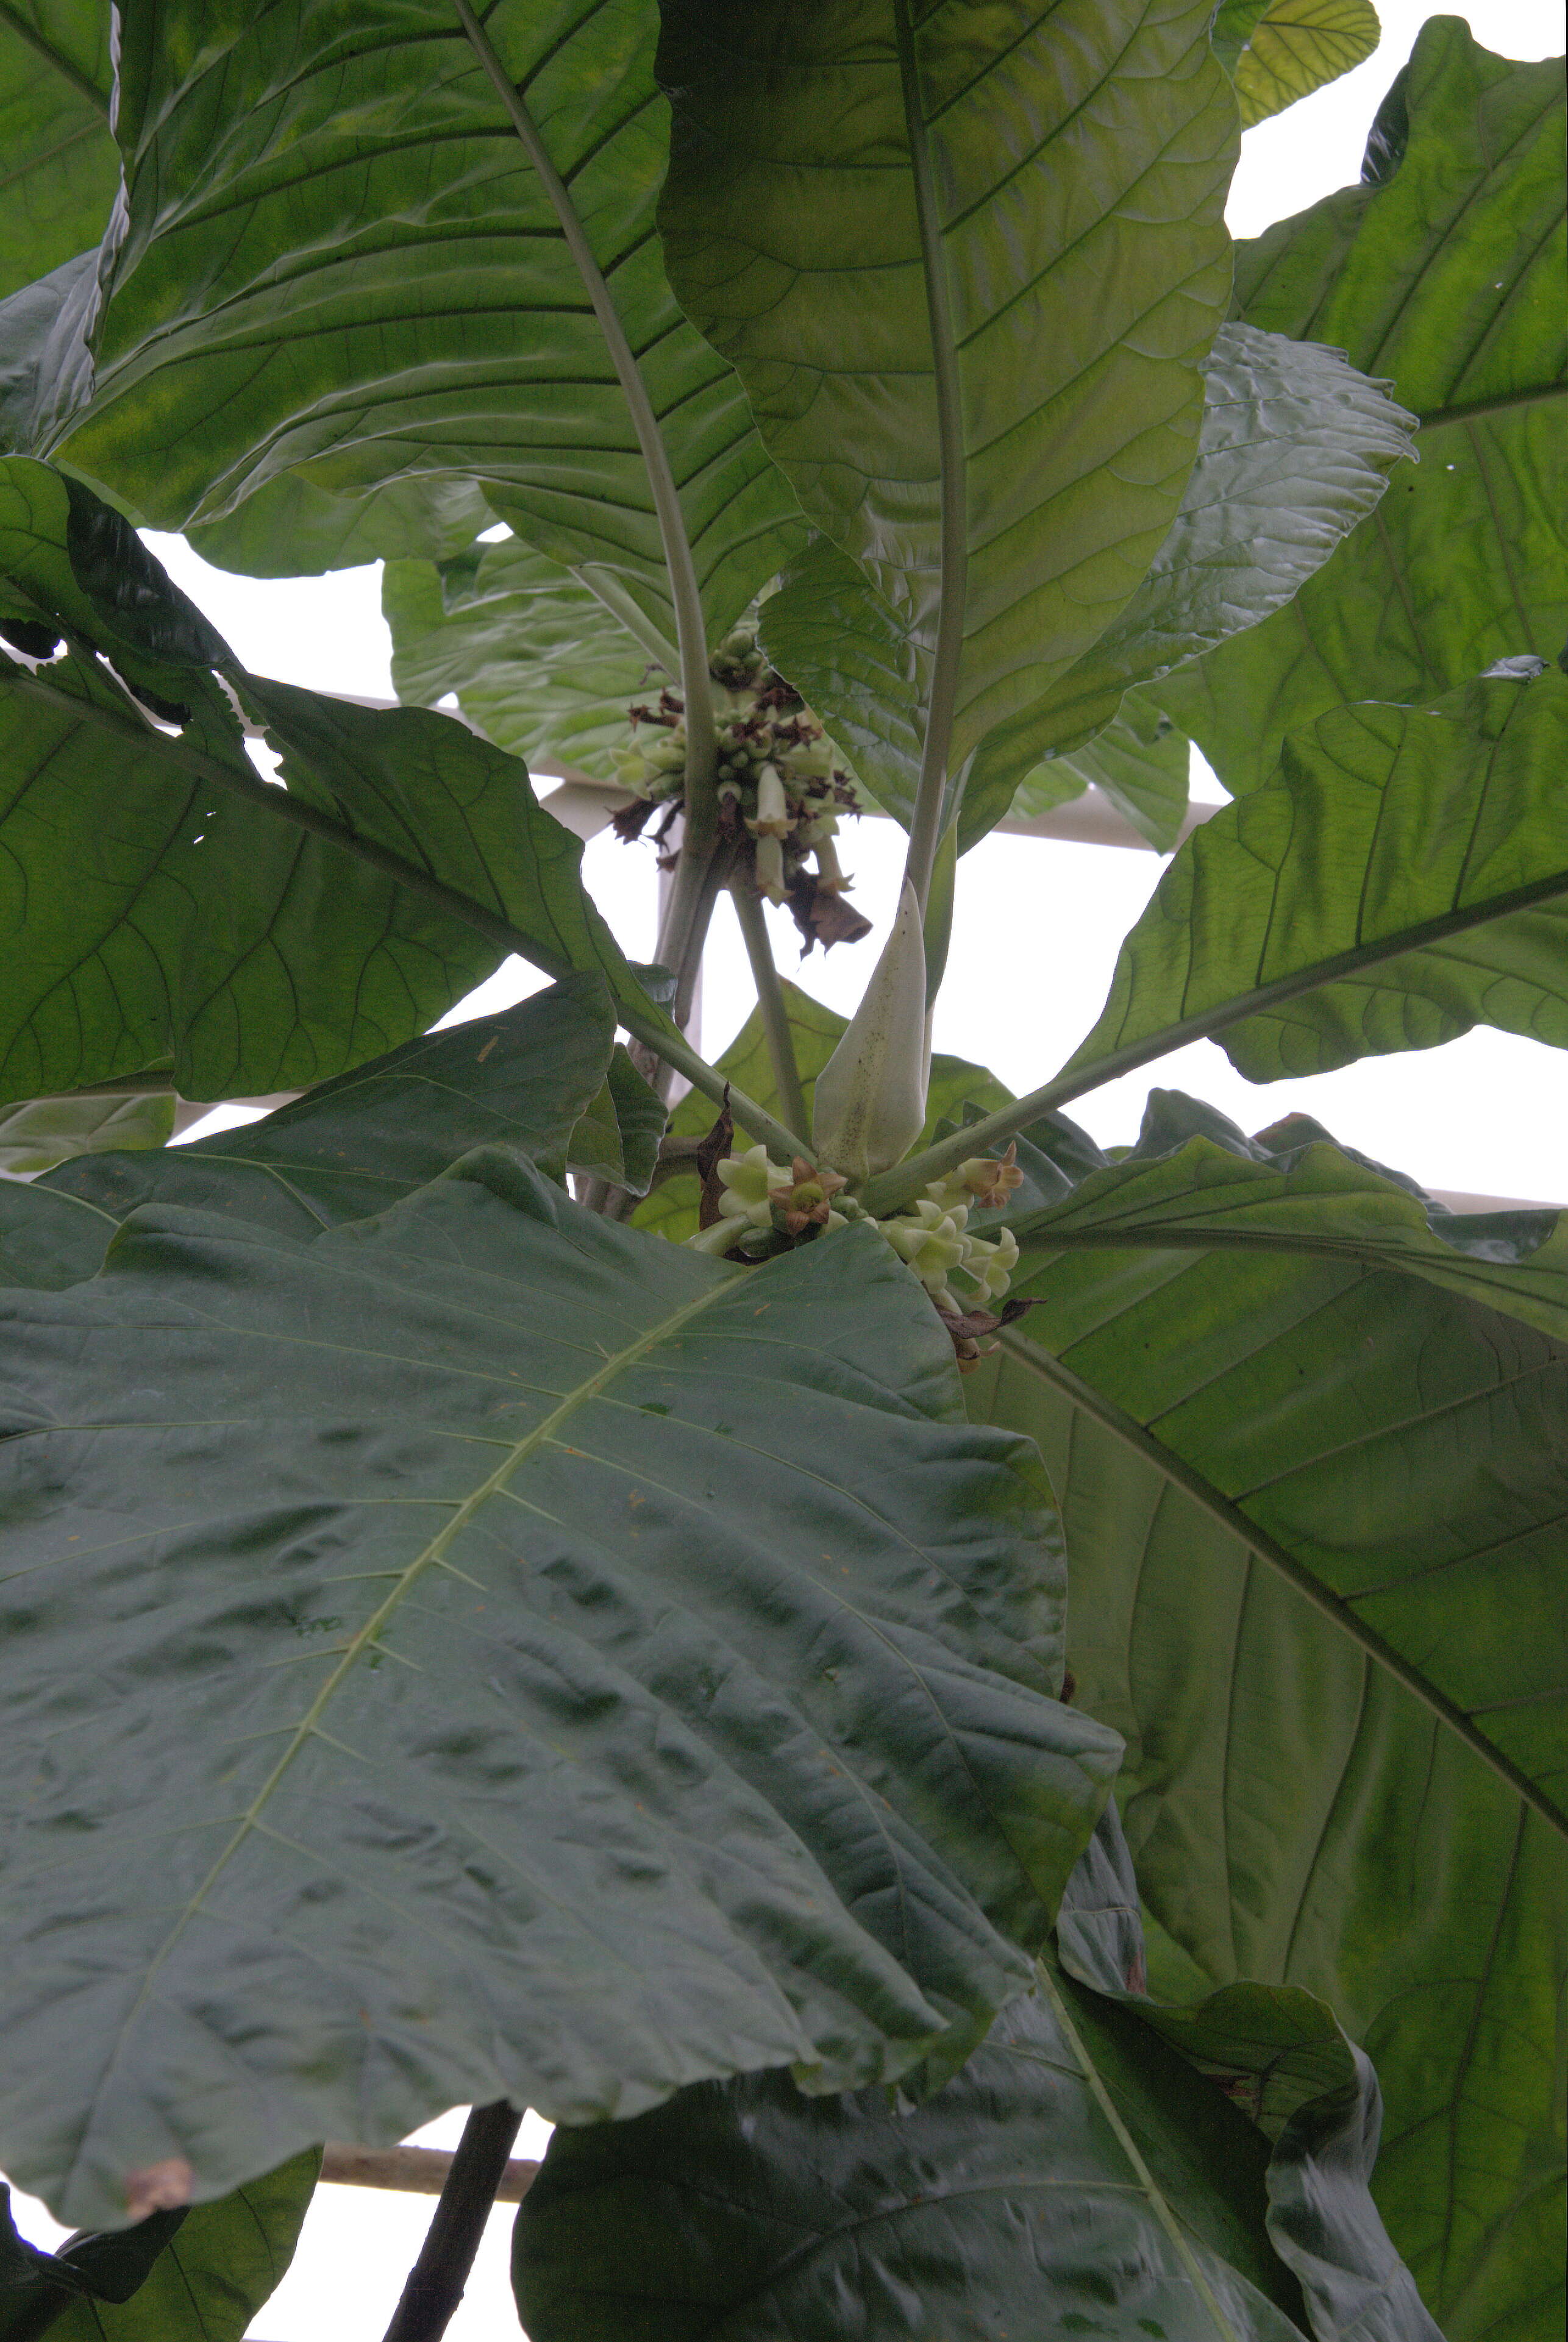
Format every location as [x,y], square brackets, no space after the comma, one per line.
[1444,271]
[1286,2057]
[968,268]
[1076,2178]
[1314,1477]
[1193,1182]
[1296,449]
[535,660]
[1277,51]
[527,1660]
[857,664]
[61,166]
[816,1032]
[290,529]
[224,2263]
[524,1078]
[402,301]
[162,911]
[41,1132]
[1141,762]
[154,921]
[1404,879]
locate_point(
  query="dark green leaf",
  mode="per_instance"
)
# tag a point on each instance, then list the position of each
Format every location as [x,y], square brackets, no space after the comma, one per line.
[355,1145]
[37,2288]
[1445,274]
[527,1661]
[456,806]
[224,2264]
[41,1132]
[401,303]
[535,660]
[1296,449]
[1072,173]
[164,913]
[45,369]
[1404,878]
[1313,1498]
[1077,2177]
[618,1136]
[1194,1183]
[1278,51]
[1286,2057]
[68,563]
[524,1078]
[61,167]
[816,1032]
[157,920]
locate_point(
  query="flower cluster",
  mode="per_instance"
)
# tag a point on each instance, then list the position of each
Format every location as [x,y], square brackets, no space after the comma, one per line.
[762,1201]
[779,792]
[933,1236]
[763,1208]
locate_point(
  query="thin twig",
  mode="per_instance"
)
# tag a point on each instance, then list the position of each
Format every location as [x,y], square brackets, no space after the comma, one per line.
[769,1001]
[412,2170]
[438,2276]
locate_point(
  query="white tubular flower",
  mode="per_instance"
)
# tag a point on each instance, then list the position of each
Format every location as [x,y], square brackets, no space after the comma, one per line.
[871,1101]
[770,871]
[746,1180]
[772,817]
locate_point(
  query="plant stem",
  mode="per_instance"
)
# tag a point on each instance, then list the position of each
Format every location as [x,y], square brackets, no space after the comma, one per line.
[683,928]
[438,2276]
[701,831]
[925,828]
[769,1001]
[891,1188]
[649,1025]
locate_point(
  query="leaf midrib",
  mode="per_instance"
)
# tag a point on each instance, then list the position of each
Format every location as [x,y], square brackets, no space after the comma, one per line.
[1181,1473]
[431,1556]
[80,82]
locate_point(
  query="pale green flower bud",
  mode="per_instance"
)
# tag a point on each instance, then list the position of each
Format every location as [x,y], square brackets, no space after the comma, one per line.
[746,1180]
[720,1239]
[991,1263]
[934,1243]
[812,761]
[871,1099]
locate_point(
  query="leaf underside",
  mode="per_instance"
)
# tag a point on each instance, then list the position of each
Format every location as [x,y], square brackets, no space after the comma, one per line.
[1443,272]
[1306,1358]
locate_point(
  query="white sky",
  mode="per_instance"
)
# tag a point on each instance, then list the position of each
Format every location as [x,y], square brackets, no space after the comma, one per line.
[1035,938]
